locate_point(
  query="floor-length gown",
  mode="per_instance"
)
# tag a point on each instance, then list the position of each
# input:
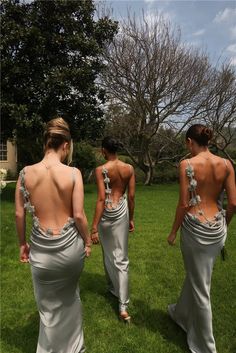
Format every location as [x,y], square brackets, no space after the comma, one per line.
[56,264]
[201,242]
[113,233]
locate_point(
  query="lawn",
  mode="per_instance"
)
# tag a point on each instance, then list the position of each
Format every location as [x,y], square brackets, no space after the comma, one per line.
[156,275]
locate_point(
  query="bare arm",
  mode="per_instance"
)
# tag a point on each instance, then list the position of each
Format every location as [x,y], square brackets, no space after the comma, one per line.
[21,224]
[131,195]
[231,193]
[99,204]
[78,211]
[182,206]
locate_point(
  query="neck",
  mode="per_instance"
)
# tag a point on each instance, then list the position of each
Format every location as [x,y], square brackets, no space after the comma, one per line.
[52,156]
[200,149]
[111,157]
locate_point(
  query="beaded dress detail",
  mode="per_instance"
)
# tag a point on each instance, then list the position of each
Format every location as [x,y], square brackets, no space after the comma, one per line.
[195,200]
[109,204]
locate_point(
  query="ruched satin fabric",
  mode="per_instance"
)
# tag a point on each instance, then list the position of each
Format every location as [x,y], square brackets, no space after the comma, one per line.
[113,233]
[200,245]
[56,264]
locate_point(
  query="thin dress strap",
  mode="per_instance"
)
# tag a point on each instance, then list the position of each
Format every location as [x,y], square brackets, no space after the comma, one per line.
[26,195]
[226,165]
[108,199]
[73,175]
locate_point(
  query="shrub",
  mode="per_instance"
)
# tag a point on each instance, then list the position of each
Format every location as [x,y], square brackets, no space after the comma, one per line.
[84,158]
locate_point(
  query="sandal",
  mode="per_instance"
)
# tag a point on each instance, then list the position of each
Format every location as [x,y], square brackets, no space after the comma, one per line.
[124,316]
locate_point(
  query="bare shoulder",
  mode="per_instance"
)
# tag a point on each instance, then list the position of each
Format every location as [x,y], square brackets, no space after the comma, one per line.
[99,169]
[32,168]
[183,164]
[228,165]
[73,170]
[125,165]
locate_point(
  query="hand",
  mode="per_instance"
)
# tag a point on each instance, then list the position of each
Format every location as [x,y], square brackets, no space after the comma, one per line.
[24,252]
[95,237]
[171,238]
[131,226]
[87,250]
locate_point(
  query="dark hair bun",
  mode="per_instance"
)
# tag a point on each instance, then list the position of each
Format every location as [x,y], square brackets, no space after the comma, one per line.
[207,133]
[111,144]
[200,133]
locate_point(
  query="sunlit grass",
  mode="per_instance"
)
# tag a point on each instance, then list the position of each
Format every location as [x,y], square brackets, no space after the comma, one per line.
[156,275]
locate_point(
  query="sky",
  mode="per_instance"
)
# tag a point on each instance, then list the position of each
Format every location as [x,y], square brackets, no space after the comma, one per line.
[210,25]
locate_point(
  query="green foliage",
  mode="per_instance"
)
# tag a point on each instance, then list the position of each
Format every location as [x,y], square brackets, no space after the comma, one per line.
[84,158]
[156,275]
[165,173]
[51,58]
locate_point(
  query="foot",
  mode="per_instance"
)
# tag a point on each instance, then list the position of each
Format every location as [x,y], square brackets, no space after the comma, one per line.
[124,316]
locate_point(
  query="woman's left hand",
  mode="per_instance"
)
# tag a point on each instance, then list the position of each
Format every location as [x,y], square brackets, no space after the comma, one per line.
[171,238]
[95,237]
[24,252]
[87,250]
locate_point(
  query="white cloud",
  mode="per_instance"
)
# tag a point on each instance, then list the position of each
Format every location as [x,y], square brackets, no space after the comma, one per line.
[233,32]
[233,61]
[199,33]
[231,48]
[152,17]
[228,14]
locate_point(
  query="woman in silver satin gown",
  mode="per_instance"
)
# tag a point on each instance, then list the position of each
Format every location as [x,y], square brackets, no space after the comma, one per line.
[53,194]
[113,220]
[203,223]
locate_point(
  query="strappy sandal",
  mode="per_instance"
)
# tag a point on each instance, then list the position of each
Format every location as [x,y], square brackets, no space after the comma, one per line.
[125,318]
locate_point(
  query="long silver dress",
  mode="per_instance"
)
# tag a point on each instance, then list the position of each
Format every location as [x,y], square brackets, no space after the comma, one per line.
[113,233]
[200,242]
[56,264]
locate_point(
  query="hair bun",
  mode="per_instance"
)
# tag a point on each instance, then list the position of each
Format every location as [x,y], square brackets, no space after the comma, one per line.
[111,144]
[207,133]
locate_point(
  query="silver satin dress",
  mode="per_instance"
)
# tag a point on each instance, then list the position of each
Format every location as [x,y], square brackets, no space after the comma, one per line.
[113,233]
[201,243]
[56,264]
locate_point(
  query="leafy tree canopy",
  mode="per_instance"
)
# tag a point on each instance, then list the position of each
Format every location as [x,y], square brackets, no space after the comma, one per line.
[51,58]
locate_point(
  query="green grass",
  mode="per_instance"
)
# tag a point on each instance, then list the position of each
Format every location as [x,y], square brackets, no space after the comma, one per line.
[156,275]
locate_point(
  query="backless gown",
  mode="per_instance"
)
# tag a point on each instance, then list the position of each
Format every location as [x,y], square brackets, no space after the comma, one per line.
[200,242]
[56,263]
[113,233]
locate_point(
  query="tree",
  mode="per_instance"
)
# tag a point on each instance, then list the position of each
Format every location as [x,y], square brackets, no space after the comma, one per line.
[154,83]
[84,158]
[220,110]
[51,58]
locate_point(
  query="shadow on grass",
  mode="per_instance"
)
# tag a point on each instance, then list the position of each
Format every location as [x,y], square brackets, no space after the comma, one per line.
[155,320]
[158,320]
[23,337]
[96,283]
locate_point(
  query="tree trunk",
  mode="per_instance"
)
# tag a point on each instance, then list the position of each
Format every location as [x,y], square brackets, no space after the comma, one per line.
[148,176]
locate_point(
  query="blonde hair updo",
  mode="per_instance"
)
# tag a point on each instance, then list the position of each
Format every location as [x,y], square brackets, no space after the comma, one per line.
[56,133]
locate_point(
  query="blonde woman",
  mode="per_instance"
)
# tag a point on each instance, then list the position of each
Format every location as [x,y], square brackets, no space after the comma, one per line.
[53,194]
[203,223]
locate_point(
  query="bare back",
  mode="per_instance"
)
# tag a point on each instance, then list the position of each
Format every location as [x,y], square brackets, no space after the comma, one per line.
[51,193]
[210,174]
[119,174]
